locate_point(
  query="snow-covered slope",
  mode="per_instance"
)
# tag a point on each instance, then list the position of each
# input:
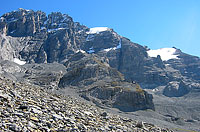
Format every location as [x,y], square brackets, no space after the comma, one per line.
[165,53]
[97,30]
[16,60]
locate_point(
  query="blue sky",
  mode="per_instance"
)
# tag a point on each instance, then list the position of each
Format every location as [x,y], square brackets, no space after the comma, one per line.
[154,23]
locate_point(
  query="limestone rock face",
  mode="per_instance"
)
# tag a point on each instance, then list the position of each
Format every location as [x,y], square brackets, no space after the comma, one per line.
[8,69]
[132,60]
[6,49]
[22,22]
[35,37]
[125,97]
[58,46]
[104,85]
[101,41]
[188,65]
[129,101]
[85,69]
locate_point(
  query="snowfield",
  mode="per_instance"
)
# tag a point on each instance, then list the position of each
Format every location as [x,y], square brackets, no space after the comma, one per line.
[97,30]
[16,60]
[165,53]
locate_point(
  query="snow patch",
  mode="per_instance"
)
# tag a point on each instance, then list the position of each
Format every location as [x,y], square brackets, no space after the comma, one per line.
[155,89]
[11,20]
[63,25]
[2,19]
[91,50]
[108,49]
[24,9]
[90,37]
[53,30]
[42,28]
[82,51]
[65,18]
[97,30]
[165,53]
[18,61]
[12,31]
[114,48]
[120,45]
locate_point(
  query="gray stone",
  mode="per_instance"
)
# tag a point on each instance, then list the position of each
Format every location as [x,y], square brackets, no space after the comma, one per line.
[19,114]
[15,127]
[57,116]
[30,124]
[34,110]
[140,124]
[104,114]
[5,96]
[23,107]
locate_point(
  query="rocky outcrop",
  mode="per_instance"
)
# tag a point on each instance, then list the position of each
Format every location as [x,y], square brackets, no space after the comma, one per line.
[56,37]
[85,69]
[188,65]
[176,89]
[104,85]
[22,22]
[43,75]
[6,49]
[38,38]
[58,47]
[132,60]
[125,97]
[101,41]
[8,69]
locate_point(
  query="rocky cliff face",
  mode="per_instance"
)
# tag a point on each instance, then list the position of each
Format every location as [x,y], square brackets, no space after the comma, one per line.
[34,37]
[22,23]
[83,66]
[42,39]
[103,85]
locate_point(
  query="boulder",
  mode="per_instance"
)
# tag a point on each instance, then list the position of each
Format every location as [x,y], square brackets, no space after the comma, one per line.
[176,89]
